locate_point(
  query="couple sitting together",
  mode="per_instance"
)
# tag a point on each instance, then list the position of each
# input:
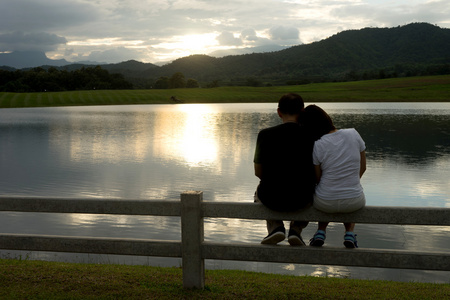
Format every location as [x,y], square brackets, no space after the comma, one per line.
[306,160]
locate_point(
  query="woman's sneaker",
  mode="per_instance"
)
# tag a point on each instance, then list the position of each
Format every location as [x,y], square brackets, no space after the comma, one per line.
[350,240]
[276,236]
[318,239]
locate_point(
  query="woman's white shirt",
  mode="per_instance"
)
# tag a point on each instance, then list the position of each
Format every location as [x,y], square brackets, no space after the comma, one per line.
[339,156]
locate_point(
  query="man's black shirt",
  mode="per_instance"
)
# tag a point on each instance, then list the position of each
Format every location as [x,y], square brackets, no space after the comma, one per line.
[285,153]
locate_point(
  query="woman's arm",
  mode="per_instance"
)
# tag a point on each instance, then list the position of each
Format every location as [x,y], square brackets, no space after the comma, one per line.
[318,173]
[362,167]
[258,170]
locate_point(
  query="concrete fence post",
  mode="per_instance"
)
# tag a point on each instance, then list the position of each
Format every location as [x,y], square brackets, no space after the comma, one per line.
[192,236]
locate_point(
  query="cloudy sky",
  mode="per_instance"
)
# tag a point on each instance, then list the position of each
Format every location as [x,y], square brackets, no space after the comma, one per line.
[162,30]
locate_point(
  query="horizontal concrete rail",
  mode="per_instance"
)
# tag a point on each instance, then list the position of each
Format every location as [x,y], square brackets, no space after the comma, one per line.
[241,252]
[193,250]
[92,245]
[92,206]
[377,258]
[368,215]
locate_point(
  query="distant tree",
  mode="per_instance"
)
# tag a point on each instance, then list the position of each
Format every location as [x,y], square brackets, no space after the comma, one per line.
[162,83]
[119,82]
[8,76]
[253,82]
[298,82]
[213,84]
[192,83]
[177,81]
[352,76]
[41,80]
[366,76]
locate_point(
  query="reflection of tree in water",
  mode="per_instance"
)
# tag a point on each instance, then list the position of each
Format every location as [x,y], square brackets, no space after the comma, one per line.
[415,139]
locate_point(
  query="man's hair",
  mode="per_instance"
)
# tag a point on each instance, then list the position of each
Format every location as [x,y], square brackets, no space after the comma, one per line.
[317,121]
[291,104]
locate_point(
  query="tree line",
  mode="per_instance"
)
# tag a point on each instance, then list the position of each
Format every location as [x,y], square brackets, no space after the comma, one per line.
[86,78]
[176,81]
[54,80]
[399,70]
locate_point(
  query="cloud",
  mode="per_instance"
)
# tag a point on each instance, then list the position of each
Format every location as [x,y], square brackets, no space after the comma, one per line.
[393,14]
[228,39]
[44,15]
[19,41]
[284,33]
[85,25]
[249,35]
[114,55]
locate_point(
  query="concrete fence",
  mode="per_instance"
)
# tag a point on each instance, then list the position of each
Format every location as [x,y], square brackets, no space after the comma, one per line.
[194,250]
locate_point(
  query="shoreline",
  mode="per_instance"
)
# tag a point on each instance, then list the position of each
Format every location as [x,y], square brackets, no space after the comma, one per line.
[410,89]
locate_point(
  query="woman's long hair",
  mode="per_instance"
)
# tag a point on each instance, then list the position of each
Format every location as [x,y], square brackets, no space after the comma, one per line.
[316,121]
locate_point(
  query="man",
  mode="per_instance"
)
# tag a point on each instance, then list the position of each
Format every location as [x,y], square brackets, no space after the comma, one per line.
[283,163]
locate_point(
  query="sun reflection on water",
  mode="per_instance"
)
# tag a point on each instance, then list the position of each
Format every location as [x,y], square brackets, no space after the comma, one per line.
[189,135]
[198,140]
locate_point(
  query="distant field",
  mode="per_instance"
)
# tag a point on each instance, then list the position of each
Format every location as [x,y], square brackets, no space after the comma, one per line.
[412,89]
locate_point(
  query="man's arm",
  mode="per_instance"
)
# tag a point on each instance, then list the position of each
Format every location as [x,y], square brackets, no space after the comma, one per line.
[362,167]
[317,172]
[258,170]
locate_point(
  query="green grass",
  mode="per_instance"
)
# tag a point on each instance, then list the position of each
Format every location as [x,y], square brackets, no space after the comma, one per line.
[411,89]
[24,279]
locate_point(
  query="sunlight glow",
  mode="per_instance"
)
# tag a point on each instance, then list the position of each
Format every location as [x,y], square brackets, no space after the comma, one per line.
[185,45]
[191,42]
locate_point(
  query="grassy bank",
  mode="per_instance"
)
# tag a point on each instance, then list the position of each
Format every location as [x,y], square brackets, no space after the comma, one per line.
[412,89]
[51,280]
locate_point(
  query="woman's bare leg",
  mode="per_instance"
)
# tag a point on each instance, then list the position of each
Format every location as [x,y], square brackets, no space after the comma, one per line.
[349,227]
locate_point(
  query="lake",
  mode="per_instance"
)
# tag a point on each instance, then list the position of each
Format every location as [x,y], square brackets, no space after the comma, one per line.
[159,151]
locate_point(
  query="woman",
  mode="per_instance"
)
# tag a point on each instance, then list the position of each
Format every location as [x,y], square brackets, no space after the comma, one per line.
[339,161]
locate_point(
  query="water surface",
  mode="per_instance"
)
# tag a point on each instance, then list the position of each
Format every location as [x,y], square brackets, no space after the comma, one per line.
[159,151]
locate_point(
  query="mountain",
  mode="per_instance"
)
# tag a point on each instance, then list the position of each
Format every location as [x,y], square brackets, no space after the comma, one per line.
[370,48]
[241,51]
[400,49]
[413,49]
[129,67]
[28,59]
